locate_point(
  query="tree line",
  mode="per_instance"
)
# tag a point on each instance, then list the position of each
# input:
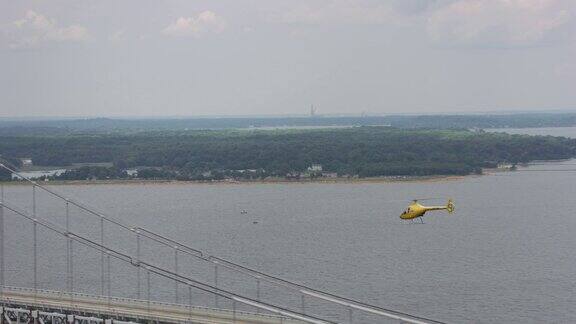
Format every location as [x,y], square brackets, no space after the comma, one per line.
[358,151]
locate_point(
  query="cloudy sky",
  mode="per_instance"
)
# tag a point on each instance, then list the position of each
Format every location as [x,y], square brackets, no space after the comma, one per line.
[270,57]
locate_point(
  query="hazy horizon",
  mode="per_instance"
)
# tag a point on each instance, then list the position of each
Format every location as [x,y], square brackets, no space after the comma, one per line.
[193,59]
[303,115]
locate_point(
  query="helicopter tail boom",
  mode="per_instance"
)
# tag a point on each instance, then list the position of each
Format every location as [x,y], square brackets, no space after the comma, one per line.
[449,207]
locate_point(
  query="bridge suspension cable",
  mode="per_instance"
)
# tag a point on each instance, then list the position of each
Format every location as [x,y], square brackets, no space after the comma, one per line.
[253,273]
[163,272]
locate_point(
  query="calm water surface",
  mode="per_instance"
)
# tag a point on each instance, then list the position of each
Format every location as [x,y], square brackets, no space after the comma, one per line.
[507,255]
[554,131]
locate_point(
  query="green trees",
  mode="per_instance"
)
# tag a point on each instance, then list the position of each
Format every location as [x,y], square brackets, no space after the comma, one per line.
[362,151]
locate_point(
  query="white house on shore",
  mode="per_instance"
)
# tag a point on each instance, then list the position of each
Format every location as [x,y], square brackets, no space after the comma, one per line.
[315,168]
[26,162]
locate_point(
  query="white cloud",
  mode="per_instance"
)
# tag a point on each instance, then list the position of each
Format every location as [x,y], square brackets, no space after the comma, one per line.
[35,29]
[506,23]
[197,26]
[118,36]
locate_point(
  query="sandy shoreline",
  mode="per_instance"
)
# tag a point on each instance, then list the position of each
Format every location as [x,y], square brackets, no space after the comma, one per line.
[255,182]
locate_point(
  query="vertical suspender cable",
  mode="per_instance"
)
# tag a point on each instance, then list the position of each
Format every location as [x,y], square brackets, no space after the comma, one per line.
[102,257]
[350,318]
[176,272]
[216,284]
[69,274]
[190,300]
[2,241]
[138,262]
[109,279]
[35,240]
[148,285]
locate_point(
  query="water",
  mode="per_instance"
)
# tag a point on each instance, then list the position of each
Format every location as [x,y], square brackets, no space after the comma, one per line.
[554,131]
[505,256]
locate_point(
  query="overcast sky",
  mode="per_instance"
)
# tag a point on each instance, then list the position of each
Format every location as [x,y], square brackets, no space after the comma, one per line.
[269,57]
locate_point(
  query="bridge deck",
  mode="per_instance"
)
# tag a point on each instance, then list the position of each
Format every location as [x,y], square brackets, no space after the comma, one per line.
[131,308]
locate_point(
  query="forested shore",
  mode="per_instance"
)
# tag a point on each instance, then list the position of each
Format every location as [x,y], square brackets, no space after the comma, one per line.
[243,154]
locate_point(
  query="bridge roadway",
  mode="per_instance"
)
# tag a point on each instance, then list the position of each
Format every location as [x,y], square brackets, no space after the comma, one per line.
[136,310]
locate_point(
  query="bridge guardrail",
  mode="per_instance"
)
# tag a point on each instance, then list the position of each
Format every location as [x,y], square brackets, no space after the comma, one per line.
[72,295]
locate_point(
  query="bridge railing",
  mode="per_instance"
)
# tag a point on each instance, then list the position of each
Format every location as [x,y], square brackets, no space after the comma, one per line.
[27,316]
[74,297]
[304,293]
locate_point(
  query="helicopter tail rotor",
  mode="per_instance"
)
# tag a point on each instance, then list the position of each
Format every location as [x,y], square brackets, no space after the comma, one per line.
[450,206]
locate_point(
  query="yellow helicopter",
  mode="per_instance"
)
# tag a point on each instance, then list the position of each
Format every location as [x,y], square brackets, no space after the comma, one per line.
[416,210]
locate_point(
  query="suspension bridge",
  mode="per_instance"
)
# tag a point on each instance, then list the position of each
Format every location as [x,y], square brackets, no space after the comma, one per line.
[63,261]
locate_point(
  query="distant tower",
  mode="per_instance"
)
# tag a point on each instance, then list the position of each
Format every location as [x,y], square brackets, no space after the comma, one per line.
[312,111]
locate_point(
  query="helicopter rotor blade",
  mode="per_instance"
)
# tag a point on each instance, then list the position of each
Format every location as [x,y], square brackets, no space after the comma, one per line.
[424,199]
